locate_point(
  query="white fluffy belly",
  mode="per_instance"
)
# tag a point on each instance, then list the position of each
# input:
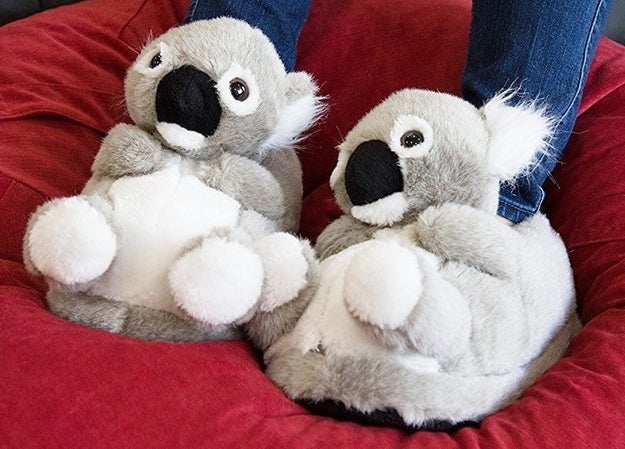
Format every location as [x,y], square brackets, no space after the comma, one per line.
[155,217]
[328,324]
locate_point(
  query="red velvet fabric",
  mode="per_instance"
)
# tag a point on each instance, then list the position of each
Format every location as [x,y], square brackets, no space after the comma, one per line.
[65,385]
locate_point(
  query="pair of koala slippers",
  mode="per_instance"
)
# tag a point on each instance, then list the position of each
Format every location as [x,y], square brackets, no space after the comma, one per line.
[417,308]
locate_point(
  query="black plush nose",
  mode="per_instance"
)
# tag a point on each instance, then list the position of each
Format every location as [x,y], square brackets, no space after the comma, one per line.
[188,97]
[372,173]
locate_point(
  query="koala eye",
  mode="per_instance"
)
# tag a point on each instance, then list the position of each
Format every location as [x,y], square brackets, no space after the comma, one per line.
[411,136]
[411,139]
[239,89]
[156,60]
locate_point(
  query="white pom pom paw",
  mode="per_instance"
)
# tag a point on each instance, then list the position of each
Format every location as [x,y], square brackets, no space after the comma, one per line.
[383,284]
[218,282]
[285,269]
[71,242]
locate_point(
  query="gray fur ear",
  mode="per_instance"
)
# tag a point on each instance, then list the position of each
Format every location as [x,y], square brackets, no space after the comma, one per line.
[302,109]
[517,134]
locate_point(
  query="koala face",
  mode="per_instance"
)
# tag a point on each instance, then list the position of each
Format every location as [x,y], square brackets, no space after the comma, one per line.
[208,86]
[414,150]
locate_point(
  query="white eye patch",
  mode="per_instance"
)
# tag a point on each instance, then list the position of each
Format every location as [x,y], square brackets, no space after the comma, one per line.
[160,59]
[339,169]
[411,136]
[238,90]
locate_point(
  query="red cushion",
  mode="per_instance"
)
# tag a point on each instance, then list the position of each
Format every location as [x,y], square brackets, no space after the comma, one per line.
[65,385]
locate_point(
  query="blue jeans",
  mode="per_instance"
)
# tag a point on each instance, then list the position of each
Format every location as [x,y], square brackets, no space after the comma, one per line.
[280,20]
[542,47]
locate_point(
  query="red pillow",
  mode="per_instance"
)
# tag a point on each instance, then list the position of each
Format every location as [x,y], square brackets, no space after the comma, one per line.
[65,385]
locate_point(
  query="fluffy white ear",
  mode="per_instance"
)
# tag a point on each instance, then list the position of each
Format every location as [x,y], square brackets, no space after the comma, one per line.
[517,134]
[302,110]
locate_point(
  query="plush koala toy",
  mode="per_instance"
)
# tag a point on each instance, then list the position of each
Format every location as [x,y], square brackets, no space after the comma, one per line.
[175,235]
[428,311]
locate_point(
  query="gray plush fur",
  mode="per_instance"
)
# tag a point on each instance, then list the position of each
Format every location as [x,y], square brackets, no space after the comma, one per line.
[250,158]
[427,303]
[265,327]
[213,47]
[459,150]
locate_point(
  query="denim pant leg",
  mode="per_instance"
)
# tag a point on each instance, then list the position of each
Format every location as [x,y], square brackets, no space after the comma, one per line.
[280,20]
[544,48]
